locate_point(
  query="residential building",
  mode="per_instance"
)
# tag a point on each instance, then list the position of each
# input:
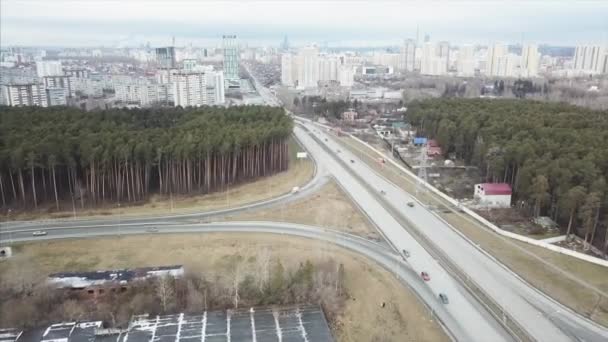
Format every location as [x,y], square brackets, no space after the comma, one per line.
[530,60]
[493,194]
[346,75]
[165,57]
[64,82]
[56,96]
[288,70]
[466,61]
[190,89]
[49,68]
[308,67]
[443,52]
[30,94]
[508,65]
[431,63]
[592,59]
[494,54]
[407,59]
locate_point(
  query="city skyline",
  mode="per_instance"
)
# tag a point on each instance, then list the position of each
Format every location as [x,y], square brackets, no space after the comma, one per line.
[110,23]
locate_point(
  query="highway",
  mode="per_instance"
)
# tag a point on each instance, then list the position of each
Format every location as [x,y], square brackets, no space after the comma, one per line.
[541,317]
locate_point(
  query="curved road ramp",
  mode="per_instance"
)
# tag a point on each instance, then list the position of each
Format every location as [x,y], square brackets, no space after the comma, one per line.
[304,323]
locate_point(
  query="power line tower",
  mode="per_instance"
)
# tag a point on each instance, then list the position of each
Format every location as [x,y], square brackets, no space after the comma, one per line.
[422,176]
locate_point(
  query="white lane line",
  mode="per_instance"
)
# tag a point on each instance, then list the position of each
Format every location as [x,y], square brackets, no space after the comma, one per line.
[301,325]
[277,325]
[204,327]
[252,318]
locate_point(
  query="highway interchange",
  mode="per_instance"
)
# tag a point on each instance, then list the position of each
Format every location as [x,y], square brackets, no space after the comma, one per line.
[433,246]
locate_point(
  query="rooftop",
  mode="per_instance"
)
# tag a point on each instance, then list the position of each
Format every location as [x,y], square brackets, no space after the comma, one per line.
[83,279]
[293,323]
[495,188]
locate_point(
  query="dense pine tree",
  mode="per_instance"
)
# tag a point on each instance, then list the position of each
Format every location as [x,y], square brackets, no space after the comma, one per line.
[59,153]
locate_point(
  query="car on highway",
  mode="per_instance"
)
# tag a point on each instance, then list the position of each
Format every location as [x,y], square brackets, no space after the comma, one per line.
[152,230]
[383,192]
[295,189]
[39,233]
[444,298]
[338,151]
[425,276]
[410,204]
[406,253]
[352,161]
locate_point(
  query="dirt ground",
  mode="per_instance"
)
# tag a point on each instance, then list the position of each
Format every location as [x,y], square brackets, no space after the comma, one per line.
[404,318]
[577,284]
[329,207]
[299,172]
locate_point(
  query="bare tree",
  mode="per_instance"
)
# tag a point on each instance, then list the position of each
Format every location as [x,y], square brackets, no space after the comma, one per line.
[72,310]
[237,276]
[165,292]
[263,267]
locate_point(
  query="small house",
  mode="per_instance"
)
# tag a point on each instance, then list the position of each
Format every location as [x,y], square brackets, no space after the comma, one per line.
[495,195]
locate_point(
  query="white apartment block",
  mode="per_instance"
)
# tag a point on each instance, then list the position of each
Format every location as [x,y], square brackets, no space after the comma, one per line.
[190,89]
[63,82]
[494,54]
[592,59]
[530,60]
[466,61]
[307,68]
[407,58]
[431,62]
[56,96]
[49,68]
[31,94]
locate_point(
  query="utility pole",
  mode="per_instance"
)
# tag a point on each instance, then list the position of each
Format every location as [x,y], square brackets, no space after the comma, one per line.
[422,176]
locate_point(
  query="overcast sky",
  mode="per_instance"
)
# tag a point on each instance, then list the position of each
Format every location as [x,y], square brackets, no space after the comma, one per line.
[345,23]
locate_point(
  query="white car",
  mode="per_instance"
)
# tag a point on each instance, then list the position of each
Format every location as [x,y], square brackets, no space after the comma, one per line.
[295,189]
[39,233]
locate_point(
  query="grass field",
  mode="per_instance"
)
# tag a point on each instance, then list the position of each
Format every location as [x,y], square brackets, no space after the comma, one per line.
[579,285]
[404,318]
[299,172]
[329,207]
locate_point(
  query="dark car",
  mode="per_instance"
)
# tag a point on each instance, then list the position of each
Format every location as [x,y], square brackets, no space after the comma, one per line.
[406,253]
[425,276]
[444,298]
[352,161]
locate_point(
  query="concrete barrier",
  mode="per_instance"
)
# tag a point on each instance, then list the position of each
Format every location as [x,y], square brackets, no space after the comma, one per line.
[480,219]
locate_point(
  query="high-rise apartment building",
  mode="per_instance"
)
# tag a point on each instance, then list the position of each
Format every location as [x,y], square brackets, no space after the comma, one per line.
[431,63]
[49,68]
[407,60]
[308,67]
[30,94]
[165,57]
[289,73]
[591,59]
[231,60]
[530,60]
[466,61]
[63,82]
[443,52]
[190,89]
[494,54]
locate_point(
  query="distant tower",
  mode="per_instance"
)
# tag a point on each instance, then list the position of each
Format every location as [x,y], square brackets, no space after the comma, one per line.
[231,61]
[166,57]
[173,41]
[422,176]
[285,44]
[427,38]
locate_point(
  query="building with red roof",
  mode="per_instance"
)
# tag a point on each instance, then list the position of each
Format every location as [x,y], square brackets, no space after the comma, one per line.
[496,195]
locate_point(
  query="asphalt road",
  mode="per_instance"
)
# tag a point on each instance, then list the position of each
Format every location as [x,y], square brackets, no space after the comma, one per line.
[543,318]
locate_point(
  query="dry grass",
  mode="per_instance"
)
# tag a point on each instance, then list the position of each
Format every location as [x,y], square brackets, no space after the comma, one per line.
[575,283]
[329,207]
[299,172]
[363,319]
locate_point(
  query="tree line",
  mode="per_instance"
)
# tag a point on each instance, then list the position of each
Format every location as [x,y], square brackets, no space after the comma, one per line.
[554,155]
[123,155]
[29,303]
